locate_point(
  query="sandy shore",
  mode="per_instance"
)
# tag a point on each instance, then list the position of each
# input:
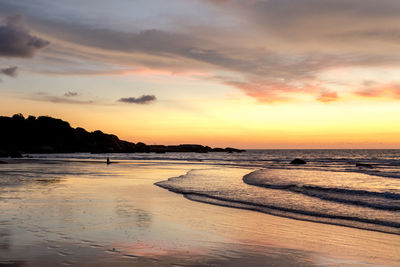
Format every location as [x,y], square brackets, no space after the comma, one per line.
[88,214]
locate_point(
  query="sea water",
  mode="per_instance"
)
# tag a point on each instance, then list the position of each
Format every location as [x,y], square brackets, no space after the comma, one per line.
[330,188]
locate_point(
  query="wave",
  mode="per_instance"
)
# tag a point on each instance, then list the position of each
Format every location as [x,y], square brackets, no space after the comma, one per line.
[344,187]
[291,210]
[377,211]
[376,200]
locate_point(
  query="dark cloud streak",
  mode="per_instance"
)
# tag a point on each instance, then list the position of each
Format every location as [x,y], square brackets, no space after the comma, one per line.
[11,71]
[56,99]
[16,41]
[144,99]
[70,94]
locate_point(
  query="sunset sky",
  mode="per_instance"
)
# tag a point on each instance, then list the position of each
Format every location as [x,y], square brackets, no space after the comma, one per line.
[249,74]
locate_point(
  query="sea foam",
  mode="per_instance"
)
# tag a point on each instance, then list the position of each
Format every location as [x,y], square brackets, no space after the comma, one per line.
[342,198]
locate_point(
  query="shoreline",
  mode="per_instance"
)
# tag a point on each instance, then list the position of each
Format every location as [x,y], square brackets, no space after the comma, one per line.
[116,216]
[195,192]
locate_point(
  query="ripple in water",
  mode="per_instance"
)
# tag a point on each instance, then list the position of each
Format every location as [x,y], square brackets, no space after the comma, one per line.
[342,198]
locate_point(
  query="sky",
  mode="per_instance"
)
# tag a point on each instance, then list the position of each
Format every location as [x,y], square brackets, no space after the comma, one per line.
[249,74]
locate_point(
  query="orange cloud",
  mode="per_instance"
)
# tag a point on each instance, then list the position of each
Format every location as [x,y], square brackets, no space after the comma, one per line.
[269,92]
[384,90]
[328,96]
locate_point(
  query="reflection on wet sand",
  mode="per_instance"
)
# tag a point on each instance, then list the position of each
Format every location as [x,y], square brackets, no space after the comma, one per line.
[80,214]
[139,217]
[5,239]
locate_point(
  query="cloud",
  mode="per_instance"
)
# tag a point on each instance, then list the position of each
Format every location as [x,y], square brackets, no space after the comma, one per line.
[369,83]
[278,69]
[147,40]
[144,99]
[11,71]
[276,51]
[390,90]
[45,97]
[271,91]
[370,92]
[70,94]
[324,20]
[328,96]
[56,99]
[218,2]
[265,92]
[16,41]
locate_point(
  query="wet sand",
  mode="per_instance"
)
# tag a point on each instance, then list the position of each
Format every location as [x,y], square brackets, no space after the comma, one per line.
[86,214]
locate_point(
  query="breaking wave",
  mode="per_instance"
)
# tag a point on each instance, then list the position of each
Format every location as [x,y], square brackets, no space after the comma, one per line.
[342,198]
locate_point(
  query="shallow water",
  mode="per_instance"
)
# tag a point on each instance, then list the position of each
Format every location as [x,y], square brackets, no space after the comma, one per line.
[385,162]
[337,198]
[330,188]
[76,210]
[86,213]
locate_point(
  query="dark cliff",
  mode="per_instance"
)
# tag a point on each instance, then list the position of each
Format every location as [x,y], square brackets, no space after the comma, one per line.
[49,135]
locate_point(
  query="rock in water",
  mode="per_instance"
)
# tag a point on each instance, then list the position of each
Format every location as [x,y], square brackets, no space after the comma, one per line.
[298,161]
[364,165]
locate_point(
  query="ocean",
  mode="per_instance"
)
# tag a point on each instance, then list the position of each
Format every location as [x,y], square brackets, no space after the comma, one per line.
[330,188]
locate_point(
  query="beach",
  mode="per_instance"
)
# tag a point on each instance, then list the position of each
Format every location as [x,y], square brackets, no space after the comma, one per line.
[199,133]
[85,213]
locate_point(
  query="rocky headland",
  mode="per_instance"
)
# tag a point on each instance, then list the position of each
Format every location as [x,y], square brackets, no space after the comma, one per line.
[45,134]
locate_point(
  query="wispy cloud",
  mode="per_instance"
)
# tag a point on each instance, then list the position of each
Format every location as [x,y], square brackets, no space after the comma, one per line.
[45,97]
[70,94]
[56,99]
[144,99]
[11,71]
[375,90]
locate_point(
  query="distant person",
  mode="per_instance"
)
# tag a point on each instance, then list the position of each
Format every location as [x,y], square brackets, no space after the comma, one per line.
[108,161]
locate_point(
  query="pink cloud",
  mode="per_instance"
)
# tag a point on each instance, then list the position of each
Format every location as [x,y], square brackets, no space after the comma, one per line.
[269,92]
[328,96]
[264,92]
[383,90]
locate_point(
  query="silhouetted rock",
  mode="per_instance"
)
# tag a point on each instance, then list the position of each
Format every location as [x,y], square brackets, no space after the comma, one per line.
[3,162]
[233,150]
[141,147]
[364,165]
[10,154]
[190,148]
[49,135]
[298,161]
[15,154]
